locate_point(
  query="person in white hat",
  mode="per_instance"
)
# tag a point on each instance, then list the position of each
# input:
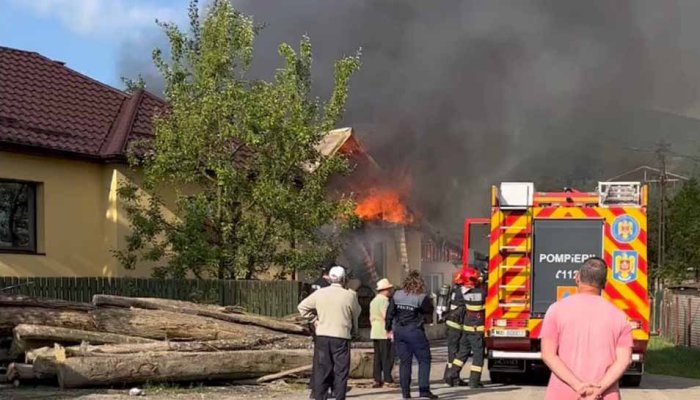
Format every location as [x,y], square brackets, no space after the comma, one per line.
[336,310]
[383,346]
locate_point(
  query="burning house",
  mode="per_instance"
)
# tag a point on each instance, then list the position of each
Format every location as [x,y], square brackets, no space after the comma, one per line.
[393,238]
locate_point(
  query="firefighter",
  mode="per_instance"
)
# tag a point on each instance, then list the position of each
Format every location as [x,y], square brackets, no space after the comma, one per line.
[454,319]
[472,339]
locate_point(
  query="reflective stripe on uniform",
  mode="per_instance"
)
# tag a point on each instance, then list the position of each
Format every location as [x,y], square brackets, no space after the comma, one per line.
[453,324]
[479,328]
[457,363]
[476,308]
[475,368]
[453,307]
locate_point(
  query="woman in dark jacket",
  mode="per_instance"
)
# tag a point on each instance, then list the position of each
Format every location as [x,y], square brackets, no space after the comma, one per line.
[405,315]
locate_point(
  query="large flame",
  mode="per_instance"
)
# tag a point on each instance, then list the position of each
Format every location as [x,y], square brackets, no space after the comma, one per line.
[383,205]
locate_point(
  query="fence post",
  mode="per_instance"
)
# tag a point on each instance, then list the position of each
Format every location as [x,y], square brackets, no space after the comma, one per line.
[689,323]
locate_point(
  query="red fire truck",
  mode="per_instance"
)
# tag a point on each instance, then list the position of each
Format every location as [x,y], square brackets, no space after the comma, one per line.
[537,240]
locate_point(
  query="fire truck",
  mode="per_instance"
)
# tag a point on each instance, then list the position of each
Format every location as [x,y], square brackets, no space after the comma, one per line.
[536,243]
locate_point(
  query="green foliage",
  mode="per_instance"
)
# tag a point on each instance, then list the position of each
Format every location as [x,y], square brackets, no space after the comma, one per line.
[132,85]
[246,146]
[683,233]
[665,358]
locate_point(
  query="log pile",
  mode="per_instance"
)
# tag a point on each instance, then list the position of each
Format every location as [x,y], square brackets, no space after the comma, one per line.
[125,341]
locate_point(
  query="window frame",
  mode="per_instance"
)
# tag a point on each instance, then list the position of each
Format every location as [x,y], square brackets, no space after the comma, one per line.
[429,278]
[33,216]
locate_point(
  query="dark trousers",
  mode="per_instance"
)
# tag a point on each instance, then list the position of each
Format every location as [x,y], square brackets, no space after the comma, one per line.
[333,359]
[383,360]
[472,343]
[410,342]
[315,362]
[454,337]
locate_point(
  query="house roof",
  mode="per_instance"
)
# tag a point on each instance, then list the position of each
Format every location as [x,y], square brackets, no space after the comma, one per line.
[343,141]
[48,107]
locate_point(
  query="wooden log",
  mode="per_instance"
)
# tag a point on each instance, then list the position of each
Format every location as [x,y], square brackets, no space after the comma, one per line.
[46,363]
[166,325]
[26,301]
[213,345]
[21,372]
[204,310]
[122,369]
[284,374]
[13,316]
[27,337]
[176,366]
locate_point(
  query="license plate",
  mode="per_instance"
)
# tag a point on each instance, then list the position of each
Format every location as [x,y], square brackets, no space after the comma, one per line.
[508,333]
[504,364]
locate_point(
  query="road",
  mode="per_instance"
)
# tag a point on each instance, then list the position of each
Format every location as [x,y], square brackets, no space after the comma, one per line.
[654,387]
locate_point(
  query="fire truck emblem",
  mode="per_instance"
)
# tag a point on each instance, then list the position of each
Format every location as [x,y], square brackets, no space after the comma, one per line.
[625,265]
[625,229]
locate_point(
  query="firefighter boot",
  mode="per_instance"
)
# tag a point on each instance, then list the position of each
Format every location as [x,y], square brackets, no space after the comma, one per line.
[475,380]
[452,377]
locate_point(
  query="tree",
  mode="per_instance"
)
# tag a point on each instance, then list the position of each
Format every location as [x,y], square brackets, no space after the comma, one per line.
[132,85]
[683,233]
[247,146]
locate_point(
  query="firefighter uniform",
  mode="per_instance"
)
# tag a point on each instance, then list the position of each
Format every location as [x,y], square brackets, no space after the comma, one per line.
[454,320]
[472,340]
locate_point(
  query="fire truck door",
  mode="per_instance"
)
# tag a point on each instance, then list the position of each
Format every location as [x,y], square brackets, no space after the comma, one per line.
[559,248]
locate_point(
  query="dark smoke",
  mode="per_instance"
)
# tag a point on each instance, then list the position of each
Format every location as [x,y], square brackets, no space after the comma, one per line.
[465,94]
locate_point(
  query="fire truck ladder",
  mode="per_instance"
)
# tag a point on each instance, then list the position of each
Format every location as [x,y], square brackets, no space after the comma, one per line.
[515,247]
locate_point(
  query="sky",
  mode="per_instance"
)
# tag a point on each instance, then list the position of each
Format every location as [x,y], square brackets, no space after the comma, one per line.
[88,35]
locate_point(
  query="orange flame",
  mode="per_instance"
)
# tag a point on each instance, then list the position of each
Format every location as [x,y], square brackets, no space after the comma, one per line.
[383,205]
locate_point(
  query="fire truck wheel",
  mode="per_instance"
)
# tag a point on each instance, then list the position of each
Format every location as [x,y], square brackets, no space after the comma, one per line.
[631,380]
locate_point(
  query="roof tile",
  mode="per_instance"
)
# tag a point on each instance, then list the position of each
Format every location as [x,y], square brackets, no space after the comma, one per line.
[45,105]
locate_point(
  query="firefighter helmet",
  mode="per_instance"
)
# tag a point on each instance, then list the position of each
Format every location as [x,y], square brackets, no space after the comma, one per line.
[469,276]
[457,278]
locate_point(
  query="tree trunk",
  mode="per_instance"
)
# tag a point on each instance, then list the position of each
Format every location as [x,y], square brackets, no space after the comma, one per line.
[176,366]
[198,309]
[22,372]
[28,337]
[164,325]
[13,316]
[193,366]
[213,345]
[26,301]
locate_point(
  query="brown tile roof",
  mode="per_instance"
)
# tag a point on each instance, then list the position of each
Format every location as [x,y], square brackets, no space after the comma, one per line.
[47,107]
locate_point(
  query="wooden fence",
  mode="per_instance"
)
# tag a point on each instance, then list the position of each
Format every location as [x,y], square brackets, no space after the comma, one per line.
[680,316]
[271,298]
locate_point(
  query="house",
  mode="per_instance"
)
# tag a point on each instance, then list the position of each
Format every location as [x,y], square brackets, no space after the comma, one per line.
[63,138]
[63,141]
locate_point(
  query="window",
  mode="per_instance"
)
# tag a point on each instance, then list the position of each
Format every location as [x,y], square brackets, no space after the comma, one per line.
[378,255]
[17,216]
[433,282]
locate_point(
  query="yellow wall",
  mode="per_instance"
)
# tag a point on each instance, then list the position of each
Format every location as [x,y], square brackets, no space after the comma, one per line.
[79,222]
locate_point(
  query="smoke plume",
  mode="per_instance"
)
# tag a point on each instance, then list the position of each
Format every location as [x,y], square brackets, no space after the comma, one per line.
[464,94]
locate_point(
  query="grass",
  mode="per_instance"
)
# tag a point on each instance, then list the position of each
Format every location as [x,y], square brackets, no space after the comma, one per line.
[665,358]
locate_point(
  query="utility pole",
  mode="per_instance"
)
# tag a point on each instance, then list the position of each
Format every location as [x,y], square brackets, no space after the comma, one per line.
[662,149]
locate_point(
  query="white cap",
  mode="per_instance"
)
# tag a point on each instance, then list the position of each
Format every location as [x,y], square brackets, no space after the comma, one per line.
[337,273]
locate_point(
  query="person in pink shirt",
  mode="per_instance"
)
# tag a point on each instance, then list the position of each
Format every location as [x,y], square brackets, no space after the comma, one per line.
[586,340]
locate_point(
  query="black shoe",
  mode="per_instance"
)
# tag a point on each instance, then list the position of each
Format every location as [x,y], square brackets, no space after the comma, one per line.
[428,395]
[406,396]
[461,382]
[477,385]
